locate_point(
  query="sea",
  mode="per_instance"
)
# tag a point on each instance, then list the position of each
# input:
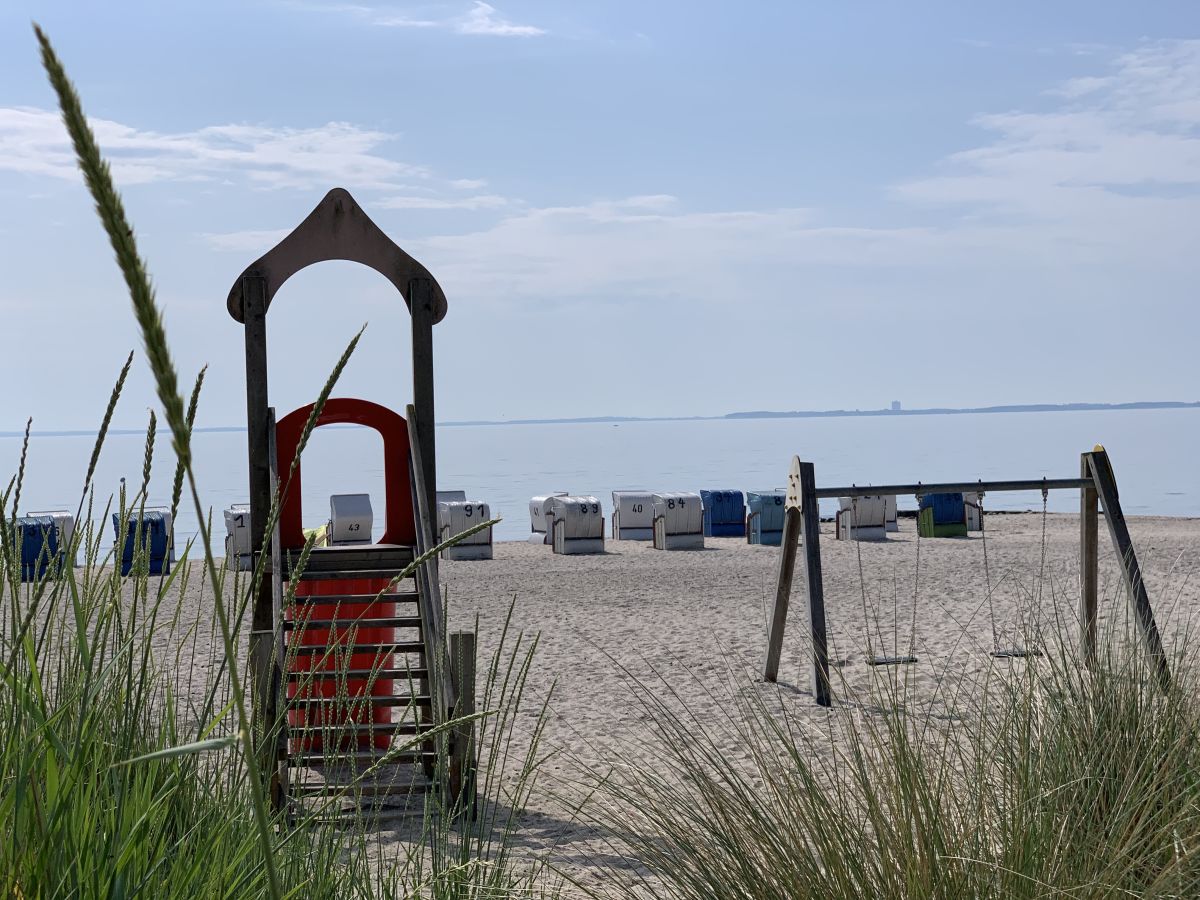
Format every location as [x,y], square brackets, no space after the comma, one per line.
[1152,450]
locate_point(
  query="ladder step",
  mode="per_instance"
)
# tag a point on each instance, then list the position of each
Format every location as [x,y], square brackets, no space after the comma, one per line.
[419,785]
[415,673]
[367,757]
[325,599]
[408,729]
[302,624]
[361,701]
[340,649]
[345,574]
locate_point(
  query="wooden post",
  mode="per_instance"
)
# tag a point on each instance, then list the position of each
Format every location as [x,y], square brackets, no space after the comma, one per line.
[1106,489]
[462,756]
[421,305]
[258,437]
[1089,563]
[811,536]
[783,592]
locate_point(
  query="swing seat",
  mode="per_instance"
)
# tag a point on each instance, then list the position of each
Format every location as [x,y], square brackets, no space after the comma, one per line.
[1015,653]
[891,660]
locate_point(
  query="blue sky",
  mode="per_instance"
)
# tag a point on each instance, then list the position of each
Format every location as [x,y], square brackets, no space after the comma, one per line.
[634,208]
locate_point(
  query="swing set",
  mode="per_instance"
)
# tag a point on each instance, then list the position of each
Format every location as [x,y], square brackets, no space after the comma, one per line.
[1097,488]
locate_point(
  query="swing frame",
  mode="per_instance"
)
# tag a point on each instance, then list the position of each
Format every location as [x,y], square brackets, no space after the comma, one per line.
[1097,488]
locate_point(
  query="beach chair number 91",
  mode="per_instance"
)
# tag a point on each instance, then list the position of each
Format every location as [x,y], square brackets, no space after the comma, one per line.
[469,510]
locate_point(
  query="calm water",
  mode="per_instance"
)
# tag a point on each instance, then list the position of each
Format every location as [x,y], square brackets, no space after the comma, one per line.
[505,465]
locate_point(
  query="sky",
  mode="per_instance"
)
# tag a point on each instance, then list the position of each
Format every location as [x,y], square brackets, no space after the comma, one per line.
[667,208]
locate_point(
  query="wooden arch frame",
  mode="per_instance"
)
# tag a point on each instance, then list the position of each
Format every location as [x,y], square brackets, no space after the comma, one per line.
[337,229]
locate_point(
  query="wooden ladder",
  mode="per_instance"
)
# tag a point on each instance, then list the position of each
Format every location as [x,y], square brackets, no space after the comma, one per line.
[354,700]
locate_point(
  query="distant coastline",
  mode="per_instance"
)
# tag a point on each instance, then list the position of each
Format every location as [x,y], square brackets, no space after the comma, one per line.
[753,414]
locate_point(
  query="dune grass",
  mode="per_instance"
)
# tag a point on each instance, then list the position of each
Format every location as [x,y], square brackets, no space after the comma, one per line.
[1049,779]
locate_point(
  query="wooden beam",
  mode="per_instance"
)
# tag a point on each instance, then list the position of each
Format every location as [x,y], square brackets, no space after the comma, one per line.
[258,437]
[421,304]
[811,537]
[783,592]
[1106,489]
[953,487]
[462,758]
[1089,562]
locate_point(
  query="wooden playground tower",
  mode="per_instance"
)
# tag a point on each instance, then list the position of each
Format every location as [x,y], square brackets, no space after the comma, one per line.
[350,663]
[1097,486]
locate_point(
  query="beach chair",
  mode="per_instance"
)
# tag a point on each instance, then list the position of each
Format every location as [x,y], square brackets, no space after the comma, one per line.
[764,523]
[576,525]
[633,515]
[457,516]
[155,527]
[678,522]
[862,519]
[942,515]
[41,551]
[539,511]
[237,538]
[350,520]
[974,504]
[724,513]
[891,521]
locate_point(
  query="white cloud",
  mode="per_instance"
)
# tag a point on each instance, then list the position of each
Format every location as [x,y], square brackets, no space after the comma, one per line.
[1112,172]
[34,142]
[468,184]
[480,201]
[246,241]
[483,19]
[479,19]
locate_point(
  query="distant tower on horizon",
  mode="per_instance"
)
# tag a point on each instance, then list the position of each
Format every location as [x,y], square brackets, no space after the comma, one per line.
[895,406]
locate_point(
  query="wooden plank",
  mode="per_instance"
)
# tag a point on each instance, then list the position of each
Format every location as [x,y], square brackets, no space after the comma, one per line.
[258,436]
[953,487]
[462,759]
[783,592]
[421,299]
[1106,489]
[337,228]
[1089,562]
[810,535]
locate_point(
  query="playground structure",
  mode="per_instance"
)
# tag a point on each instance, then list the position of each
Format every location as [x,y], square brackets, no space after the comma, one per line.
[348,651]
[1097,487]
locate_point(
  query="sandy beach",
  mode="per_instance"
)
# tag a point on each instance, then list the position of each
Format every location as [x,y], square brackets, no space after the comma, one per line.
[698,619]
[692,626]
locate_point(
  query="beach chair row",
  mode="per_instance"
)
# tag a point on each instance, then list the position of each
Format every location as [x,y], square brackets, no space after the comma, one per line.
[669,520]
[351,520]
[46,542]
